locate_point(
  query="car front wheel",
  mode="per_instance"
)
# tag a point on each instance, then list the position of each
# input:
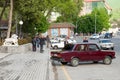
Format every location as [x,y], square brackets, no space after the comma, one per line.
[55,47]
[112,48]
[75,62]
[107,60]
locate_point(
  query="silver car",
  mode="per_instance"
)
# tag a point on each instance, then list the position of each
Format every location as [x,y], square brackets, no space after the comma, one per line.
[106,44]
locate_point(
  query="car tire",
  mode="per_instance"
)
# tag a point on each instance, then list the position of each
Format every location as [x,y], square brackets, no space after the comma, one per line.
[75,62]
[95,61]
[112,48]
[107,60]
[63,63]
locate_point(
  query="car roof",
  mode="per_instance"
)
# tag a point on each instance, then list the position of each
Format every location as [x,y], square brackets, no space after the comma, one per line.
[85,43]
[103,39]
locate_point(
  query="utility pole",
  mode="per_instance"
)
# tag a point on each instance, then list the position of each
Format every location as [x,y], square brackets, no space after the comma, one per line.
[10,19]
[95,23]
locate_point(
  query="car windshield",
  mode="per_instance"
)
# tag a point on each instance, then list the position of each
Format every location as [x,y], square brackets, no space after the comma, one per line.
[95,35]
[68,47]
[106,41]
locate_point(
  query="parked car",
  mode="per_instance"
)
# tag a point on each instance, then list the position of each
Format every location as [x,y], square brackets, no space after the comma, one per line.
[108,35]
[61,37]
[94,36]
[74,53]
[102,36]
[53,40]
[71,41]
[56,45]
[106,44]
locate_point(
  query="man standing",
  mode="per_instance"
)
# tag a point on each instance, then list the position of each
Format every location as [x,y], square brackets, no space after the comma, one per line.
[34,44]
[37,41]
[42,42]
[48,41]
[65,41]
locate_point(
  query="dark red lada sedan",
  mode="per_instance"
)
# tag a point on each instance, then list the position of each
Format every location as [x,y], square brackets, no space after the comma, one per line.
[74,53]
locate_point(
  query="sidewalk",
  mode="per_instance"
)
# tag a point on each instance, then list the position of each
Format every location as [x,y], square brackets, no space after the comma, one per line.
[37,66]
[3,55]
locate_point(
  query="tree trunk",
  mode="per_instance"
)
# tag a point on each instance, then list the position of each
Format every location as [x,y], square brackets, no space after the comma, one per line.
[10,19]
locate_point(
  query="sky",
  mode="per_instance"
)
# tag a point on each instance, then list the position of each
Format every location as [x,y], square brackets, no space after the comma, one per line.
[115,4]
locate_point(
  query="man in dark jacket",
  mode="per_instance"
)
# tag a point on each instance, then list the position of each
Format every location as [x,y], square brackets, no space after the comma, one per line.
[34,44]
[42,42]
[48,41]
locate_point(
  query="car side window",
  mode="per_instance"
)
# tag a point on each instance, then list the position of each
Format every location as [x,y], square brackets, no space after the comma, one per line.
[92,48]
[81,48]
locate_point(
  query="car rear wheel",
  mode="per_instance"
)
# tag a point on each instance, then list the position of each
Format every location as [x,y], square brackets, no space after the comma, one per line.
[75,62]
[107,60]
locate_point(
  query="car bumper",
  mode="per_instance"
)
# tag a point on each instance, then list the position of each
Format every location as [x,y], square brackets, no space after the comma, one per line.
[57,59]
[107,47]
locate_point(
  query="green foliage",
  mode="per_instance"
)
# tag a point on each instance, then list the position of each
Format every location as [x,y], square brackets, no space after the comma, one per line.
[36,13]
[69,10]
[32,13]
[86,24]
[102,19]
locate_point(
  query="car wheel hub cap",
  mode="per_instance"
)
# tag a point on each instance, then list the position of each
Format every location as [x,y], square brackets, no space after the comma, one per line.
[75,62]
[107,60]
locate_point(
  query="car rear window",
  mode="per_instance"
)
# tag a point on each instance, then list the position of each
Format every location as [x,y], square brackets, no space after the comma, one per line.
[68,47]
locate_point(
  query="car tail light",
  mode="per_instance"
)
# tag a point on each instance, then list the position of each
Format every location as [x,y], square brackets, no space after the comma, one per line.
[51,54]
[58,55]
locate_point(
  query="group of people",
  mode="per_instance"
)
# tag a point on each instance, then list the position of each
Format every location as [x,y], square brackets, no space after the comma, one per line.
[39,42]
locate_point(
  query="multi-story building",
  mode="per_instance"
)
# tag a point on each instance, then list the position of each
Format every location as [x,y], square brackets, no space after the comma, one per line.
[89,5]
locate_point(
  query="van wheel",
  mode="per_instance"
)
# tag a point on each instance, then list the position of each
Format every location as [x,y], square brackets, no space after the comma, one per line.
[107,60]
[55,47]
[75,62]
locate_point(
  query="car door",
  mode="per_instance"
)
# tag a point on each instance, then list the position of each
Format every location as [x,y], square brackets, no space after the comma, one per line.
[93,52]
[81,52]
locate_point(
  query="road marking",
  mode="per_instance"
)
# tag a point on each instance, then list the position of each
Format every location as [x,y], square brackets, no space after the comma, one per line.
[66,73]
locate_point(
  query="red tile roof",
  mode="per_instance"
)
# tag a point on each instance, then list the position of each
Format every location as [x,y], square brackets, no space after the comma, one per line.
[62,25]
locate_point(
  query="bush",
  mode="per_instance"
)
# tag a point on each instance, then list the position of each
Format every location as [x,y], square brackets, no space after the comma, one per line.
[24,41]
[1,42]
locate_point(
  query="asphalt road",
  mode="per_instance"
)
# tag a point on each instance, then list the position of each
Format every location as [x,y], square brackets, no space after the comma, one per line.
[89,70]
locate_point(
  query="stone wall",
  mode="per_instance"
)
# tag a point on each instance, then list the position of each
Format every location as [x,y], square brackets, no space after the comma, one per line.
[16,49]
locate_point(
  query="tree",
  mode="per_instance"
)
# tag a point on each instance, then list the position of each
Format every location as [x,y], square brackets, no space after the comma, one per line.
[98,18]
[102,19]
[36,13]
[3,5]
[32,13]
[10,19]
[69,10]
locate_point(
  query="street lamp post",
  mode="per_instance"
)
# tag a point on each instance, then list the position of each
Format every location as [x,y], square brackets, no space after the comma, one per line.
[21,23]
